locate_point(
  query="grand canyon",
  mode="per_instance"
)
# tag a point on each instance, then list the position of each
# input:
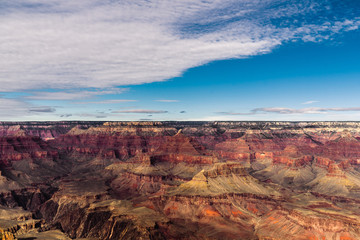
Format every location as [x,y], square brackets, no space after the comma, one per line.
[180,180]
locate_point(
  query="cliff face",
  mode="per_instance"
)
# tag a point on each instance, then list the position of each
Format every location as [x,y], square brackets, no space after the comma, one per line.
[44,130]
[180,180]
[14,149]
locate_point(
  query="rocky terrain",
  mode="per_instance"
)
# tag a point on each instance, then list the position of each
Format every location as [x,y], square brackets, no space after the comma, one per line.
[180,180]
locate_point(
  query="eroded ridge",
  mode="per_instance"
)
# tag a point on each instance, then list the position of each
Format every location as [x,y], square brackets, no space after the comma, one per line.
[180,180]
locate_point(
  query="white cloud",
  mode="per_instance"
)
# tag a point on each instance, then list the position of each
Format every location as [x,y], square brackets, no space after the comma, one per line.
[280,110]
[11,109]
[112,101]
[100,44]
[143,111]
[73,94]
[309,102]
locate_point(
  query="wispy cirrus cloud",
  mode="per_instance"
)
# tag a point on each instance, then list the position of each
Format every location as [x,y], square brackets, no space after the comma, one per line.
[91,115]
[111,101]
[279,110]
[18,109]
[13,108]
[100,44]
[142,111]
[74,94]
[65,115]
[42,109]
[309,102]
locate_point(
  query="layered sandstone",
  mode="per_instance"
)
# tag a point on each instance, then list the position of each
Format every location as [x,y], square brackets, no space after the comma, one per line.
[180,180]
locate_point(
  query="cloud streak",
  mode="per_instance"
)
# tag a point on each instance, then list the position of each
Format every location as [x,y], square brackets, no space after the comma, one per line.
[65,115]
[141,111]
[111,101]
[101,44]
[279,110]
[42,109]
[17,109]
[309,102]
[74,94]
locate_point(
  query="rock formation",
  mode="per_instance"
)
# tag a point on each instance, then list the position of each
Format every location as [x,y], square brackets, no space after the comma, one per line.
[180,180]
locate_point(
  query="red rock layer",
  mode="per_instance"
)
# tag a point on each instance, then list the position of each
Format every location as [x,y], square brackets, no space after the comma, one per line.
[19,148]
[233,149]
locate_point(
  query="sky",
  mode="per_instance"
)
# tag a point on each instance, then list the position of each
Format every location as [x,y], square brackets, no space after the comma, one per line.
[198,60]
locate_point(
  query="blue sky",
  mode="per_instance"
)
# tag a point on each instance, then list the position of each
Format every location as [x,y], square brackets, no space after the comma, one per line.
[179,60]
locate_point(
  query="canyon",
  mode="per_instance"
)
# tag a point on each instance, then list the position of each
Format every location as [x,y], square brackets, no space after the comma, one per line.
[180,180]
